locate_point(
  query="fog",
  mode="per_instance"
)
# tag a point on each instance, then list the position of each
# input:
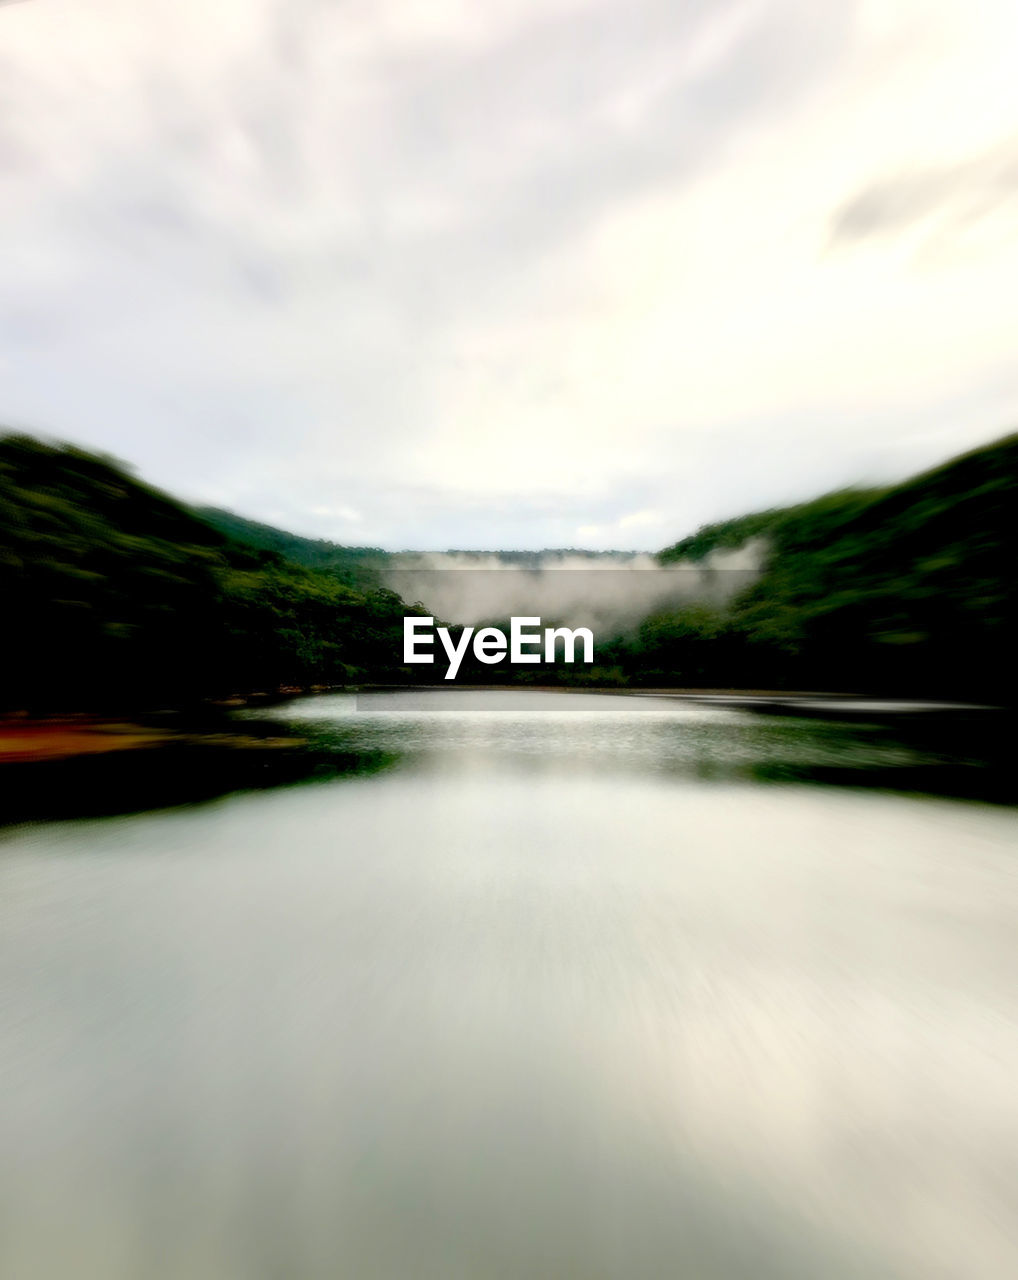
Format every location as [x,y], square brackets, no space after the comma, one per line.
[609,592]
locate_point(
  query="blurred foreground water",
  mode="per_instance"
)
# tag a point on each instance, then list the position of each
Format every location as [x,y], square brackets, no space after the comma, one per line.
[538,985]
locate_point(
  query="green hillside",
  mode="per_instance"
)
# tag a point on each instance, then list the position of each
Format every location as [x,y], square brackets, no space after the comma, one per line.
[354,563]
[360,563]
[910,587]
[116,594]
[831,510]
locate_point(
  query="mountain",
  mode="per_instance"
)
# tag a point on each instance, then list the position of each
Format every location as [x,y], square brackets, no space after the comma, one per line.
[115,594]
[318,553]
[355,563]
[908,588]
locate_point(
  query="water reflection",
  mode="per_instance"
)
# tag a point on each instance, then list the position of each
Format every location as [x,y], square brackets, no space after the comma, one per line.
[530,1000]
[951,752]
[948,751]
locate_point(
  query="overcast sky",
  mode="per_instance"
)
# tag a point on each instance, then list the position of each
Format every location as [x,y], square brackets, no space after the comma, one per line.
[519,273]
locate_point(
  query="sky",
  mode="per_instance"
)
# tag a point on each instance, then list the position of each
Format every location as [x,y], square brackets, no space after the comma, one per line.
[526,273]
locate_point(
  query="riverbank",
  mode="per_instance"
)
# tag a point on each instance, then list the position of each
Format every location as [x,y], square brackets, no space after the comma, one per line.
[30,740]
[26,739]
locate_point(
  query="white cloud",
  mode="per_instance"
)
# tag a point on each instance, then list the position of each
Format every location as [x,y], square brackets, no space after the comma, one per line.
[336,512]
[515,273]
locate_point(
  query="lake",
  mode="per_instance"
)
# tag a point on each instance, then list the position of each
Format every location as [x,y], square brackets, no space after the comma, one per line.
[526,985]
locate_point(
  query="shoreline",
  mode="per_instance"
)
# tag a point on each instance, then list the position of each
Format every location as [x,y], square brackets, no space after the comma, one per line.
[26,738]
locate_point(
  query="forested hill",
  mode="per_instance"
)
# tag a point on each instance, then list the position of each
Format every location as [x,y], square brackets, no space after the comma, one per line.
[313,553]
[980,484]
[358,563]
[909,587]
[116,594]
[727,535]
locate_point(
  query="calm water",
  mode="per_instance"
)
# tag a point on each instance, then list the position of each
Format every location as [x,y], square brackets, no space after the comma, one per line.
[542,985]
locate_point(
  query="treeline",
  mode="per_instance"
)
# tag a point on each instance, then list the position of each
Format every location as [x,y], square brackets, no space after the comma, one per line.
[114,594]
[356,566]
[907,589]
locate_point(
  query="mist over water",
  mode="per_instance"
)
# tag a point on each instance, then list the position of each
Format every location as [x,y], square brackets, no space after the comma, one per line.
[559,993]
[610,591]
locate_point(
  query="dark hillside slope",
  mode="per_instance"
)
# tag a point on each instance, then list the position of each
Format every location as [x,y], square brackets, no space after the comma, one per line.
[114,594]
[909,588]
[314,553]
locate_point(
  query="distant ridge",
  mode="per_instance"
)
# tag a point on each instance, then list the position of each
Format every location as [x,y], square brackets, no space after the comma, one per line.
[117,594]
[910,586]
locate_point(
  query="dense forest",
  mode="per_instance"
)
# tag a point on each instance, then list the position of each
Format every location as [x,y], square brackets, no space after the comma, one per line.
[362,563]
[355,565]
[909,588]
[117,595]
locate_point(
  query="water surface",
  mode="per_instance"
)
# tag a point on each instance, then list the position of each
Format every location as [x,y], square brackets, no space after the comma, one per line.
[557,986]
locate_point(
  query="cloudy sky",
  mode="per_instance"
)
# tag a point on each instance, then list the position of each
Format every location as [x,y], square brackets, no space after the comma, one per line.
[520,273]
